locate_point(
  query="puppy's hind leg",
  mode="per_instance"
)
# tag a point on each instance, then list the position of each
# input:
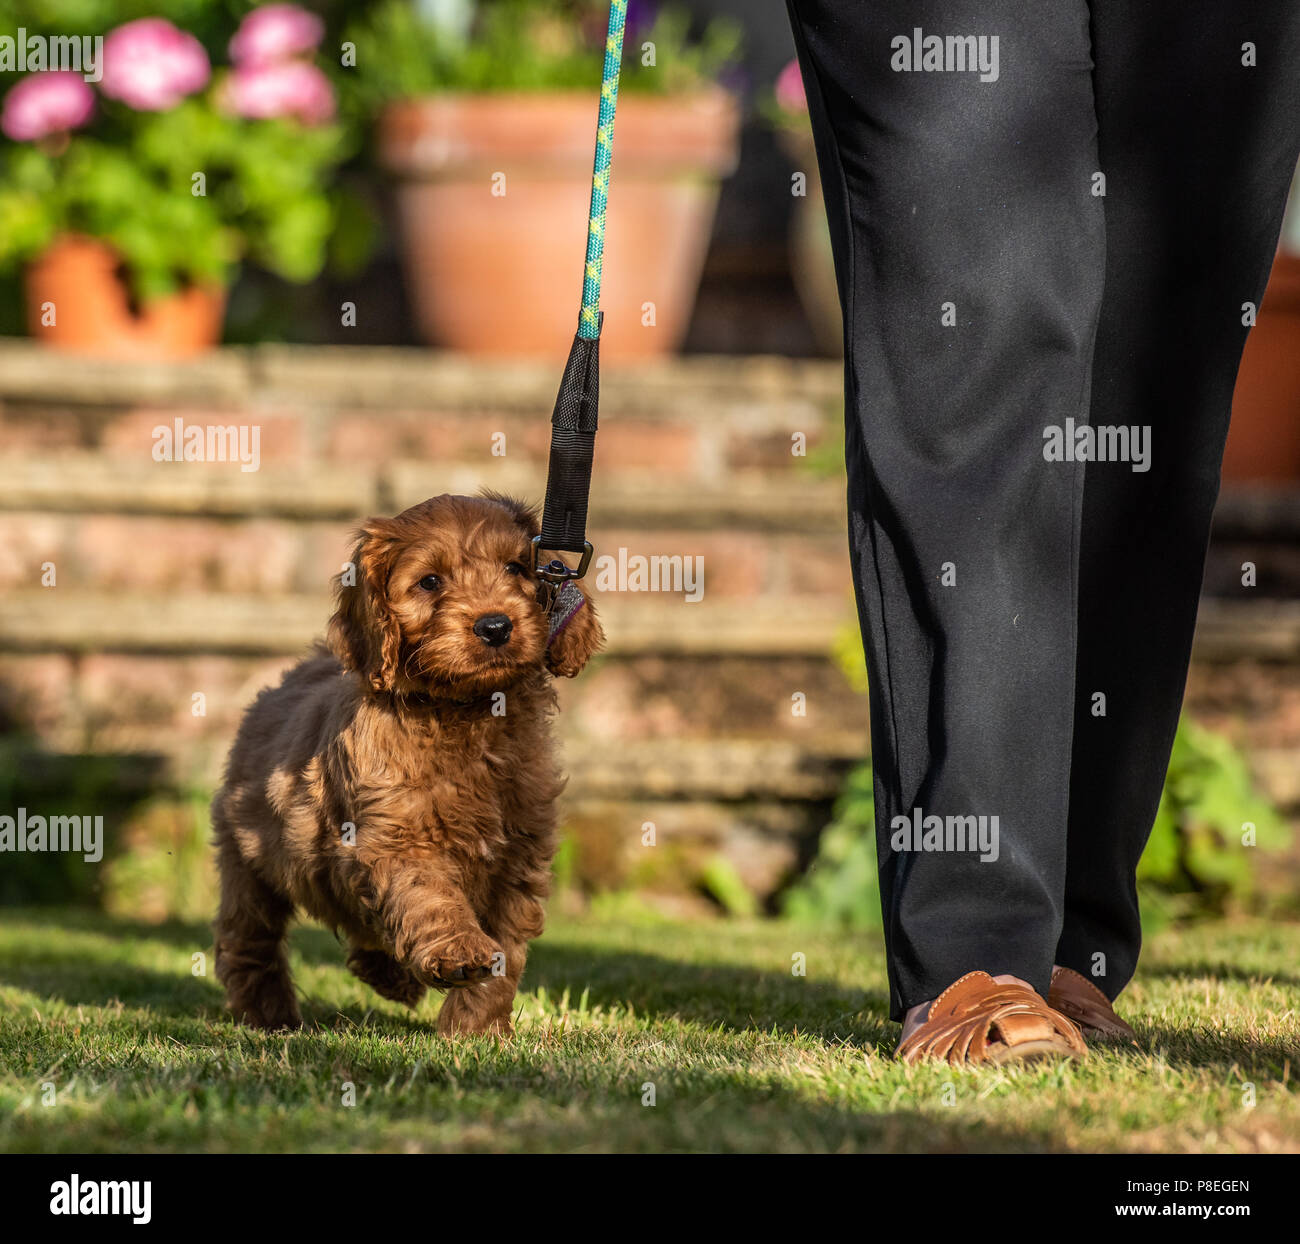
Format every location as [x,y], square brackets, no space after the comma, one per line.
[251,959]
[388,978]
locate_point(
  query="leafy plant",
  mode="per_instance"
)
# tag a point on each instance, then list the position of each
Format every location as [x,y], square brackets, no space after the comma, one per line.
[184,182]
[1209,821]
[166,869]
[404,50]
[847,653]
[841,886]
[722,883]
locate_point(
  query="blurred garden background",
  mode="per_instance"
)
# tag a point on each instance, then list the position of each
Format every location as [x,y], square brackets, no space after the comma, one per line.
[358,230]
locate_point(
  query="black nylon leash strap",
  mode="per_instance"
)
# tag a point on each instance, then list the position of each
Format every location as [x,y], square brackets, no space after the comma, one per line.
[573,422]
[573,446]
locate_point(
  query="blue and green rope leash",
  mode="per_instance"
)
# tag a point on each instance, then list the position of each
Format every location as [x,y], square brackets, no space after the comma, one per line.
[573,422]
[589,320]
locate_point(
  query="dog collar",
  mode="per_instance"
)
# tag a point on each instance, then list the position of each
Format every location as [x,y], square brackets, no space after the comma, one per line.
[568,600]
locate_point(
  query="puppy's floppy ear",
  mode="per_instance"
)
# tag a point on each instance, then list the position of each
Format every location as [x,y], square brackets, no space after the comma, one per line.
[578,639]
[363,633]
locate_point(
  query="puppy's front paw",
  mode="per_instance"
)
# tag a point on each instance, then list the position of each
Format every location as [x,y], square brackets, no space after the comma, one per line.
[462,1015]
[460,959]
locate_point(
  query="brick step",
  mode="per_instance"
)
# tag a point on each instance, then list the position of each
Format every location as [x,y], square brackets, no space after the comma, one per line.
[68,620]
[278,531]
[85,483]
[62,620]
[730,770]
[701,419]
[1246,524]
[156,554]
[119,675]
[759,804]
[90,484]
[81,481]
[123,702]
[1264,630]
[132,702]
[385,378]
[1261,512]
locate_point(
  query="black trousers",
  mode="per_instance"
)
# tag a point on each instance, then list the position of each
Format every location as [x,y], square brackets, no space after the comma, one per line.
[1039,241]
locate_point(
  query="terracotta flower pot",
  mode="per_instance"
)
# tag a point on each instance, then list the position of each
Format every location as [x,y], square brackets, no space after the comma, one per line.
[77,301]
[1264,437]
[493,197]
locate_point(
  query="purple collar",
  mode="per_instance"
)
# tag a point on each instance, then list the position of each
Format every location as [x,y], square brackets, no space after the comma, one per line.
[568,600]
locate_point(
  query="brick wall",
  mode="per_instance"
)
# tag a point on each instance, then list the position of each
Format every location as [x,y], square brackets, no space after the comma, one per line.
[177,579]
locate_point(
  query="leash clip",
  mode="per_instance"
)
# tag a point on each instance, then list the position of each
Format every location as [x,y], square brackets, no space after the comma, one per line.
[555,574]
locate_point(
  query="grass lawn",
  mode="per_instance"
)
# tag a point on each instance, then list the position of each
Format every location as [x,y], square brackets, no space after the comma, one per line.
[743,1056]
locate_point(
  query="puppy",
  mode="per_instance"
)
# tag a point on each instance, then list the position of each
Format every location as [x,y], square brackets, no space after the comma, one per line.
[400,784]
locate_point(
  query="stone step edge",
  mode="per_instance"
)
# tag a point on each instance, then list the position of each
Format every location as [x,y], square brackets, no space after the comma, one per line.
[66,620]
[730,771]
[780,500]
[84,483]
[403,377]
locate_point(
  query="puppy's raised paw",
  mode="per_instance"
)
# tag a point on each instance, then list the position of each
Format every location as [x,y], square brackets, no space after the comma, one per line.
[461,959]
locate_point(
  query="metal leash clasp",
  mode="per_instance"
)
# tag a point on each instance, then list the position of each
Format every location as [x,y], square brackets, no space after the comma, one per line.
[555,574]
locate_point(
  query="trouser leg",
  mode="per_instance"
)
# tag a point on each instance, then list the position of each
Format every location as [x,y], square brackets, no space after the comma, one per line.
[970,252]
[1198,149]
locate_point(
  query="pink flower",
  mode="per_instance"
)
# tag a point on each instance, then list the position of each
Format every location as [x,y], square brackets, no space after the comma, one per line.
[790,95]
[151,65]
[291,88]
[46,103]
[275,32]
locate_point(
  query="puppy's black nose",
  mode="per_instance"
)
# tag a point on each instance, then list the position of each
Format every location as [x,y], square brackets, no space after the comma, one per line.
[493,629]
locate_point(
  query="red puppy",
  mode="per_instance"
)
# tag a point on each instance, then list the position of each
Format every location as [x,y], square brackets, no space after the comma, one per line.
[400,784]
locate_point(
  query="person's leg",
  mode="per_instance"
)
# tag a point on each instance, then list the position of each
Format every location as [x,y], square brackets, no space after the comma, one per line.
[970,251]
[1198,148]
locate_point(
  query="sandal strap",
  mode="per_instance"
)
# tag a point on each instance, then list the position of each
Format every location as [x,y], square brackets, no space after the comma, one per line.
[976,1015]
[1074,995]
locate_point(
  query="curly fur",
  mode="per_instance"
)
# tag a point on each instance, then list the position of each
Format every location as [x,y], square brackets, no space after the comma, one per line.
[400,784]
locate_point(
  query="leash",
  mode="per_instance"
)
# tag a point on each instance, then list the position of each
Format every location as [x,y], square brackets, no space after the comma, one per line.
[573,422]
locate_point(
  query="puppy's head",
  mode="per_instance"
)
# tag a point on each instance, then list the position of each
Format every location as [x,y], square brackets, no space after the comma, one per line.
[442,599]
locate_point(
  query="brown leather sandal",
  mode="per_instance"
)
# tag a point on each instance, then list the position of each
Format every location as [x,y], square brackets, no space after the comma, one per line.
[1078,998]
[976,1020]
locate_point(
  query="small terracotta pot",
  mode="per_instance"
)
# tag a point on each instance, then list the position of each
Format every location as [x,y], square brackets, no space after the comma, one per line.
[1264,437]
[77,286]
[493,198]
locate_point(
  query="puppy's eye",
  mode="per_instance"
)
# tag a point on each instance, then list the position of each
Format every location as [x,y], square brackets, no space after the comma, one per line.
[516,568]
[431,583]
